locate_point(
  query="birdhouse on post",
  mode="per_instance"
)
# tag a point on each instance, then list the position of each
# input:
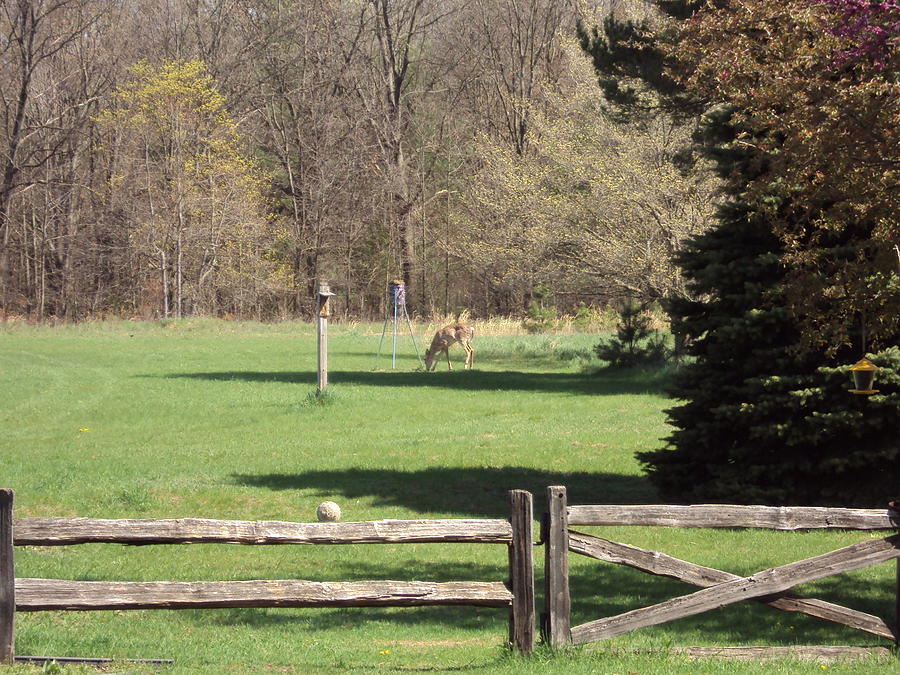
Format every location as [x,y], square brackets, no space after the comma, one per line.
[323,299]
[323,311]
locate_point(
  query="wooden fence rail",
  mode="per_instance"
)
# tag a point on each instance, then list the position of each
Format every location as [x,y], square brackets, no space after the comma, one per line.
[770,587]
[68,531]
[730,515]
[28,595]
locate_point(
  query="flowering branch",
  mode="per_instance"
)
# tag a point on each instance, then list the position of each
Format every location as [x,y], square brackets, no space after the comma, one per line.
[872,25]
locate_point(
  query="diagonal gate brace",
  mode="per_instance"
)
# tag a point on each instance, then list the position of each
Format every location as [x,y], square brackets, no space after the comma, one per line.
[660,564]
[766,583]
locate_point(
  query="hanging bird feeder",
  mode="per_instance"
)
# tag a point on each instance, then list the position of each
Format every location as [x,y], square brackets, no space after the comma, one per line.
[863,372]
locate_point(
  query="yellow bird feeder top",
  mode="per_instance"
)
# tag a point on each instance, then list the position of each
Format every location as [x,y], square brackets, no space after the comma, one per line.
[863,372]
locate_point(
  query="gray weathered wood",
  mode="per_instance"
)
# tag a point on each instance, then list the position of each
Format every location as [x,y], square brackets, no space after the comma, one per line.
[729,515]
[767,582]
[59,594]
[557,599]
[322,350]
[661,564]
[95,661]
[322,313]
[7,578]
[64,531]
[521,571]
[652,562]
[819,654]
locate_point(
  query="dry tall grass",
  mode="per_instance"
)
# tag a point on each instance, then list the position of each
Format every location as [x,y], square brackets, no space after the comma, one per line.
[502,326]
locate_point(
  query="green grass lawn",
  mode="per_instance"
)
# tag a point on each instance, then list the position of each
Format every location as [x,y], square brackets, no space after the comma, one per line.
[218,420]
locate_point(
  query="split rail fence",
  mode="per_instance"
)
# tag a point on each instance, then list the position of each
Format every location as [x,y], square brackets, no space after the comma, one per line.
[771,587]
[33,595]
[718,588]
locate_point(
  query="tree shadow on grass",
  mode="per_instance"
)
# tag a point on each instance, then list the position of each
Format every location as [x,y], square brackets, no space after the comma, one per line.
[478,491]
[624,382]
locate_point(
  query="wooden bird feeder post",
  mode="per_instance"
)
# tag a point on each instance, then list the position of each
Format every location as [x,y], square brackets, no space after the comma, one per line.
[323,311]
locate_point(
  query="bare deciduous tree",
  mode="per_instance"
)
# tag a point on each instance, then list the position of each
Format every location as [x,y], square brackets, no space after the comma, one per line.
[46,93]
[413,139]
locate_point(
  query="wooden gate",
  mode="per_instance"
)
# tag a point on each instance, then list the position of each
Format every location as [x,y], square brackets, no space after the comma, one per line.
[719,588]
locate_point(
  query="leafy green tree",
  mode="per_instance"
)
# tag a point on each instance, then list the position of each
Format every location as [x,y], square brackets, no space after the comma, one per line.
[814,86]
[594,203]
[191,195]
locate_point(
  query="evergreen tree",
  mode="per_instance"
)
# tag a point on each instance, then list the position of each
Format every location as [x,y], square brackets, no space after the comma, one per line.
[635,343]
[761,421]
[630,65]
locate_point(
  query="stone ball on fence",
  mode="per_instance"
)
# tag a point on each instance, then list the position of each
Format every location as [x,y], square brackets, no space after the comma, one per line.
[328,511]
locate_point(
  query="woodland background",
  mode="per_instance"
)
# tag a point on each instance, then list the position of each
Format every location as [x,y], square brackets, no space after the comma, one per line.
[183,157]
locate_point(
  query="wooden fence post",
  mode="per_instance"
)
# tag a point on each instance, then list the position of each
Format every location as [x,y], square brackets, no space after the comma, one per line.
[521,572]
[323,311]
[555,622]
[7,579]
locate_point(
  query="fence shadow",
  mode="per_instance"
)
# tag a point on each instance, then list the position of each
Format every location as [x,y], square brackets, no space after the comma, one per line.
[599,384]
[480,492]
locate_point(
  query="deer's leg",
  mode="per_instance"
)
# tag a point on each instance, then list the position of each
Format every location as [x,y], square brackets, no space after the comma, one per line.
[447,354]
[470,355]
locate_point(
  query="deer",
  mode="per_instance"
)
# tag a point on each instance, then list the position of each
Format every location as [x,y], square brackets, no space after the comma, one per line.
[445,338]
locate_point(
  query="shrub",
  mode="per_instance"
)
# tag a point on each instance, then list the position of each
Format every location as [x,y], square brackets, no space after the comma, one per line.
[538,318]
[635,343]
[585,316]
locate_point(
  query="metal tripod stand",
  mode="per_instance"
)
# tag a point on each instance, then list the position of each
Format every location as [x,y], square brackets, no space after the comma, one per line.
[396,295]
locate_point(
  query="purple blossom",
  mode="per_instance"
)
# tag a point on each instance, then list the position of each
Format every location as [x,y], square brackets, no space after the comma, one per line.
[872,25]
